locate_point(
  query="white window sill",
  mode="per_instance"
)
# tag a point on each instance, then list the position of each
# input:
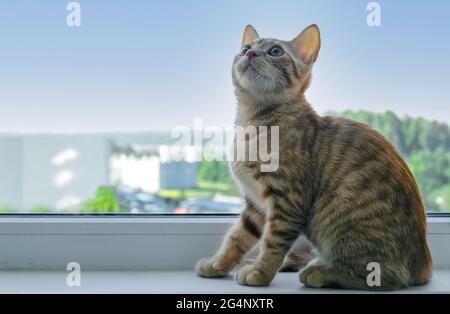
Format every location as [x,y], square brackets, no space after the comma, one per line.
[138,244]
[172,282]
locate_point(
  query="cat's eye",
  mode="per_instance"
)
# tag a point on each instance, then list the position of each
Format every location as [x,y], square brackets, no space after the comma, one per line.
[245,50]
[276,51]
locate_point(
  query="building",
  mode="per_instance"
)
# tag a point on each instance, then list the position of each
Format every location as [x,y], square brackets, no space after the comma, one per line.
[54,171]
[59,172]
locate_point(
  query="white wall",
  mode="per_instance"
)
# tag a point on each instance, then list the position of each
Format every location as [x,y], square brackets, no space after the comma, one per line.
[140,173]
[11,172]
[61,171]
[55,171]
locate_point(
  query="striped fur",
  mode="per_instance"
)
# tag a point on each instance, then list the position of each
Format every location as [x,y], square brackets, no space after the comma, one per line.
[340,184]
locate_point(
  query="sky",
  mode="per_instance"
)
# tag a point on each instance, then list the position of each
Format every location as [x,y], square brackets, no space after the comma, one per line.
[151,65]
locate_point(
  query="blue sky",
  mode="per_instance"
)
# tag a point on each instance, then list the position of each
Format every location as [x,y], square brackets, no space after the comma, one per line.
[147,65]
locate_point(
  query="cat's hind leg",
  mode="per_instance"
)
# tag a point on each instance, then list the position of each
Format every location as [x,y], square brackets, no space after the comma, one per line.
[314,274]
[300,254]
[320,274]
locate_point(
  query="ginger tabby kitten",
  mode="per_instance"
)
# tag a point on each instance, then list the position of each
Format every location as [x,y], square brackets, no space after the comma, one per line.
[339,184]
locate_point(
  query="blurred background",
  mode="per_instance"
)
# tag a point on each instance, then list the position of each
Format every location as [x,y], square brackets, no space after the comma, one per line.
[86,112]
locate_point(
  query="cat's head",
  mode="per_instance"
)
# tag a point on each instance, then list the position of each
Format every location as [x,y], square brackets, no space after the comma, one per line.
[271,68]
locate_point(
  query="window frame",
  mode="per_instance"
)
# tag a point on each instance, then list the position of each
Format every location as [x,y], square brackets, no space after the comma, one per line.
[131,242]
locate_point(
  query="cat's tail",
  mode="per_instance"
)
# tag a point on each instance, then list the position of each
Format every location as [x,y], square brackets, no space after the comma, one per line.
[300,254]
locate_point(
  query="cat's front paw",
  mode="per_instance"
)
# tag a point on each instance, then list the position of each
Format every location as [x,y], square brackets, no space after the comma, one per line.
[249,276]
[210,268]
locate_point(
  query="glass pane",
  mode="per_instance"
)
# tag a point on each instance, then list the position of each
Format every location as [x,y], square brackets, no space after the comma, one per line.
[92,96]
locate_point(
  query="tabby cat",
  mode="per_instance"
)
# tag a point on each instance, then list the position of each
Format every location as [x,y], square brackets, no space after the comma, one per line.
[339,184]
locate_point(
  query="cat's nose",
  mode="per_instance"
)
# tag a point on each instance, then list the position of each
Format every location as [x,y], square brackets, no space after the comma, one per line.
[251,54]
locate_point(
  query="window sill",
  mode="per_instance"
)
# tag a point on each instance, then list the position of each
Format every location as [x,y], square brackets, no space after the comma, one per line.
[172,282]
[136,243]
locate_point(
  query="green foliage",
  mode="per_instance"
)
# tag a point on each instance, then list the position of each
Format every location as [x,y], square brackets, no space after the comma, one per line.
[8,210]
[409,135]
[215,176]
[426,147]
[105,201]
[40,210]
[429,168]
[213,171]
[441,198]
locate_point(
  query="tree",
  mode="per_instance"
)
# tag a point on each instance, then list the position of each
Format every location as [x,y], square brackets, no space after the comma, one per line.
[424,144]
[105,201]
[214,171]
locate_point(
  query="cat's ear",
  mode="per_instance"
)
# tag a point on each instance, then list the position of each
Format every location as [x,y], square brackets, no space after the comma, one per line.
[250,34]
[307,44]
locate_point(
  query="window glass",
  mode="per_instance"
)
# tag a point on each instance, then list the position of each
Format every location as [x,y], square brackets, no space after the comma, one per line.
[95,96]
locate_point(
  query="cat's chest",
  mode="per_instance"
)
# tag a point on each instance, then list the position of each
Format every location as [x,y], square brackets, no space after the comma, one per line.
[249,185]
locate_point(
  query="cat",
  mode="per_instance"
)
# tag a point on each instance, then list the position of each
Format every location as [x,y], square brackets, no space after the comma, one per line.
[340,185]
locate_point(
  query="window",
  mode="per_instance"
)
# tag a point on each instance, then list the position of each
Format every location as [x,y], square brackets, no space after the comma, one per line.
[94,99]
[88,112]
